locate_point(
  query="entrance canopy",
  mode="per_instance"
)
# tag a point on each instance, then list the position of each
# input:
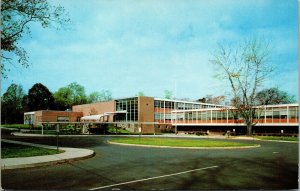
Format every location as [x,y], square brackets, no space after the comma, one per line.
[115,112]
[98,117]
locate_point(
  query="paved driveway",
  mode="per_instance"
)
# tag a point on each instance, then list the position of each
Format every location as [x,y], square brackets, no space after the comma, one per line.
[272,166]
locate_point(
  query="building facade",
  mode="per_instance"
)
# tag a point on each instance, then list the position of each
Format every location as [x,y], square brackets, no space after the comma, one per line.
[150,115]
[44,116]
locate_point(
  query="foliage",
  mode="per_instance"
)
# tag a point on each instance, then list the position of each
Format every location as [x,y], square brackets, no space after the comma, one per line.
[245,68]
[274,96]
[16,17]
[94,97]
[12,108]
[78,93]
[15,102]
[73,94]
[39,98]
[168,94]
[62,98]
[104,95]
[140,94]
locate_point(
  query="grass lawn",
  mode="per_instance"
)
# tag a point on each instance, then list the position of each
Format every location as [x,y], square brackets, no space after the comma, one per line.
[11,150]
[277,138]
[20,126]
[180,142]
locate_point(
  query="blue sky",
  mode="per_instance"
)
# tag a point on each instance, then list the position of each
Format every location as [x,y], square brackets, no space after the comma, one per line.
[128,46]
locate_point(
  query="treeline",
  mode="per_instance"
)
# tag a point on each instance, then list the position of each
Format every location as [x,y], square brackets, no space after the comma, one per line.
[15,101]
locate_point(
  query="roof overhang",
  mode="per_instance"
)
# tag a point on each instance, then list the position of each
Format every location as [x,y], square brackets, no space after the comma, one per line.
[92,117]
[115,112]
[29,113]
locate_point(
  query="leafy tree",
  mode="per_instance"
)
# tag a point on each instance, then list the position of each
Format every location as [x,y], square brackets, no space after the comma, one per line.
[94,97]
[72,94]
[62,98]
[16,17]
[78,95]
[168,94]
[39,98]
[104,95]
[12,104]
[244,68]
[274,96]
[140,94]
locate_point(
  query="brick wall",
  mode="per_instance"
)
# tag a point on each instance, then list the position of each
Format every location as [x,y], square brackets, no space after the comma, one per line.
[52,116]
[96,109]
[146,113]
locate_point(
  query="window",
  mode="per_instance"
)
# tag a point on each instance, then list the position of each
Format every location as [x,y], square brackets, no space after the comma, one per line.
[293,113]
[180,105]
[62,118]
[276,114]
[131,106]
[39,119]
[157,116]
[156,103]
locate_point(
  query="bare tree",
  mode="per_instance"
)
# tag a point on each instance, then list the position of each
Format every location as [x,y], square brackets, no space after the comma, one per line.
[218,100]
[244,68]
[274,96]
[16,16]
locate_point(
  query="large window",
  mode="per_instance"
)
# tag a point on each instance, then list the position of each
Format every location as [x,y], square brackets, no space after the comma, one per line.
[131,106]
[293,113]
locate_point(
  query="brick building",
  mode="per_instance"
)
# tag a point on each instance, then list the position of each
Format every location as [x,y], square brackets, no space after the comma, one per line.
[149,115]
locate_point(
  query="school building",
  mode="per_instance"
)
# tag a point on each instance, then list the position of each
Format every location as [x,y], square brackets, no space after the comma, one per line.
[150,115]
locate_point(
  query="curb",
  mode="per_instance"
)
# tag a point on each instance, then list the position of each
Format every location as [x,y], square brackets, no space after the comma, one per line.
[70,154]
[45,135]
[162,136]
[196,148]
[278,141]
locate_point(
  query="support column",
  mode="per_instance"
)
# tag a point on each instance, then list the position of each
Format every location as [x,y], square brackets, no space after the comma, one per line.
[287,114]
[265,114]
[164,111]
[227,115]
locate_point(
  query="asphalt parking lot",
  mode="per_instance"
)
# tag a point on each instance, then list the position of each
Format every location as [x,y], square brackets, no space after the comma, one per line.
[271,166]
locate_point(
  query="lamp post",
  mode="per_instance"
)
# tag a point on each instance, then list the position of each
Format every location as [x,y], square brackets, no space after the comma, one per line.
[57,133]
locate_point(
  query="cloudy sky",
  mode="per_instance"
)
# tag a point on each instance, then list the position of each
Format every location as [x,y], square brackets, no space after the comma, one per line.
[129,46]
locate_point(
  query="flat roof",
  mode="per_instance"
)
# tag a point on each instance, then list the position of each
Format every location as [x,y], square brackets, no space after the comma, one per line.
[29,113]
[192,102]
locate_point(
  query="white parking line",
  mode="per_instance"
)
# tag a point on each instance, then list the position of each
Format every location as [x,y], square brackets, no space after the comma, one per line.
[156,177]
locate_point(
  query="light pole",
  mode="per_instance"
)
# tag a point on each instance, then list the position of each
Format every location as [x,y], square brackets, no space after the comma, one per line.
[57,133]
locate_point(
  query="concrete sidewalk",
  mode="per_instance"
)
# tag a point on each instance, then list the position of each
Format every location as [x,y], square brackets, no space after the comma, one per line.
[70,154]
